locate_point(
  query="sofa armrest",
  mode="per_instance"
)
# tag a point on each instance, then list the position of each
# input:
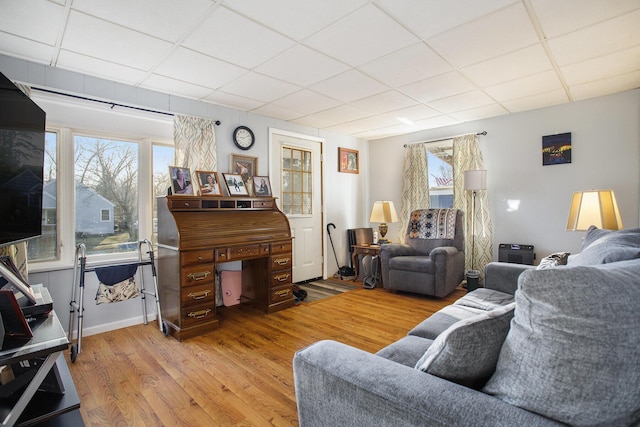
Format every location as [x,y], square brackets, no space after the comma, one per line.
[337,384]
[503,276]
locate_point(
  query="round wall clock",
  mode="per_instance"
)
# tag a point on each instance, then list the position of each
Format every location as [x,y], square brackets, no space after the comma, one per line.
[243,137]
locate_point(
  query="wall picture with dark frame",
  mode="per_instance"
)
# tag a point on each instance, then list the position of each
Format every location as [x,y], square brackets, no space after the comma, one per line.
[556,149]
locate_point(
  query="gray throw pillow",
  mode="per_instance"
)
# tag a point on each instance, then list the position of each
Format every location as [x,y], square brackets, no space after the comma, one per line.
[605,246]
[467,352]
[553,260]
[572,351]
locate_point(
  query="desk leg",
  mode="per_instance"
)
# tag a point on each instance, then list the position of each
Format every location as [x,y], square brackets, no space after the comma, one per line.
[31,389]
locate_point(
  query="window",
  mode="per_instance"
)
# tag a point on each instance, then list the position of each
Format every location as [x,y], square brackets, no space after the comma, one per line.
[105,215]
[440,165]
[297,181]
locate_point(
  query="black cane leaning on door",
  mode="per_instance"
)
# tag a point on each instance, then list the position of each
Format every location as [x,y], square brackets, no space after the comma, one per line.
[344,270]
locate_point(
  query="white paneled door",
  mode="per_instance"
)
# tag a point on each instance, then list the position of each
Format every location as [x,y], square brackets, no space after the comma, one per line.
[295,171]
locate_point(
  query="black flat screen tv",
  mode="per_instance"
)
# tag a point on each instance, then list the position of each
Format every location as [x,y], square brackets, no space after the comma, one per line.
[22,143]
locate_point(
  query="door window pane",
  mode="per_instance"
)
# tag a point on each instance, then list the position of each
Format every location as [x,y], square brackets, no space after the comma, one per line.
[297,179]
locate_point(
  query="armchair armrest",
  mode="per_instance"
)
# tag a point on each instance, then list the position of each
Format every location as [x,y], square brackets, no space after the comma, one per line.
[391,250]
[503,276]
[340,385]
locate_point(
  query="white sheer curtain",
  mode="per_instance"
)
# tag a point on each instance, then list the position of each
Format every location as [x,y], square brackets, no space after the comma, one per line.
[415,185]
[467,156]
[195,143]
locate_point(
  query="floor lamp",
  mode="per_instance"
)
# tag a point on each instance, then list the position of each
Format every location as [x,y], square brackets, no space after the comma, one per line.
[474,180]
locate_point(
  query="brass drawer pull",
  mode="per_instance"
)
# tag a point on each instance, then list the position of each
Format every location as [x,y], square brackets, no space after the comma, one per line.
[199,295]
[281,277]
[282,261]
[199,276]
[283,293]
[200,314]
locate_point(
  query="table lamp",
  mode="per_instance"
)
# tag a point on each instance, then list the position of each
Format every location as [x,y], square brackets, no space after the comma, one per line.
[595,207]
[383,212]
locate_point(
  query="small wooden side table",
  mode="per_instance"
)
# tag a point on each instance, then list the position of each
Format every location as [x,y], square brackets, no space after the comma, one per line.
[373,250]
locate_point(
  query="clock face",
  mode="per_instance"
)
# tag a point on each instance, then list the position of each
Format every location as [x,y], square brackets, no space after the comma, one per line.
[243,137]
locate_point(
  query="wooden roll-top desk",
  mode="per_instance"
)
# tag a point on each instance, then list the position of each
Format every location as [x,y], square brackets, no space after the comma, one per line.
[195,234]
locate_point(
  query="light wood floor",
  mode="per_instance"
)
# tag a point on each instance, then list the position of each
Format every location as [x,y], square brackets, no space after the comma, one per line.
[238,375]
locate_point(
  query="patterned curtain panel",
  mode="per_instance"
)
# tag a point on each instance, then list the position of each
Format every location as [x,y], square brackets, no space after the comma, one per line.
[467,156]
[195,143]
[415,185]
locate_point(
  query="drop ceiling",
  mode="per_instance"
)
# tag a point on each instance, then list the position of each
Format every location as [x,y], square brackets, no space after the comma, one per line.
[370,69]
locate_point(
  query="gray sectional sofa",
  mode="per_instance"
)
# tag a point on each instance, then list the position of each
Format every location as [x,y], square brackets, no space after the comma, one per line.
[537,346]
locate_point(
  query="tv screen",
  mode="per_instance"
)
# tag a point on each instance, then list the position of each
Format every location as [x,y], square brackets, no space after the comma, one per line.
[22,132]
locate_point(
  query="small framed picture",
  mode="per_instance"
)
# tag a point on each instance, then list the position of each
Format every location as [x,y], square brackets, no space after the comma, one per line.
[348,161]
[556,149]
[235,184]
[261,186]
[13,320]
[208,183]
[244,166]
[181,183]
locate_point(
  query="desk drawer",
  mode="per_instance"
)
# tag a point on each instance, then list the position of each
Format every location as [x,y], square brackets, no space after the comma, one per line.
[263,204]
[197,275]
[281,278]
[199,314]
[198,294]
[196,257]
[244,252]
[281,247]
[183,203]
[280,262]
[281,293]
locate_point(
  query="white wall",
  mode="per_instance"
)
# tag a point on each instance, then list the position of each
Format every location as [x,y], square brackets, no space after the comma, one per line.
[346,196]
[605,155]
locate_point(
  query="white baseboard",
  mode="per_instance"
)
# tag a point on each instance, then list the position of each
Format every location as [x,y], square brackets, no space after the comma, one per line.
[112,326]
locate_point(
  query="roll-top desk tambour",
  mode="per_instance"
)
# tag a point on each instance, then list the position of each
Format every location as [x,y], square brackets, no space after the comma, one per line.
[197,233]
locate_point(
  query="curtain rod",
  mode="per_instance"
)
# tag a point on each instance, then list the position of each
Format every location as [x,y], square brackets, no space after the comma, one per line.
[112,104]
[484,132]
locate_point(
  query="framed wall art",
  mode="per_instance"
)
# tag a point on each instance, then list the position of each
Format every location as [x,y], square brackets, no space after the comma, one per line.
[556,149]
[181,181]
[244,166]
[348,161]
[208,183]
[235,184]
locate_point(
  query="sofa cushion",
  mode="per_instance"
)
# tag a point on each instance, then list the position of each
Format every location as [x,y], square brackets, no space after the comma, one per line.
[407,350]
[605,246]
[553,260]
[485,299]
[439,321]
[572,351]
[467,352]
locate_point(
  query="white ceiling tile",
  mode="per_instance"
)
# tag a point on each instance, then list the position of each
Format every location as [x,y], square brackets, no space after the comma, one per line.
[341,114]
[527,86]
[562,17]
[607,86]
[384,102]
[540,100]
[349,86]
[302,66]
[307,102]
[96,67]
[615,34]
[165,19]
[177,87]
[297,19]
[24,48]
[426,18]
[236,39]
[479,113]
[442,86]
[415,113]
[435,122]
[261,88]
[501,32]
[107,41]
[463,101]
[603,67]
[189,66]
[37,20]
[408,65]
[361,37]
[233,101]
[514,65]
[364,125]
[275,111]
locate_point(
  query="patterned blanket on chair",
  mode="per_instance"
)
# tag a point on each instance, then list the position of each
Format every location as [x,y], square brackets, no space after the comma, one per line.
[432,224]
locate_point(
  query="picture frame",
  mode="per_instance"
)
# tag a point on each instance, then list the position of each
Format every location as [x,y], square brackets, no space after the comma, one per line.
[235,185]
[245,166]
[208,183]
[262,186]
[348,160]
[181,186]
[13,320]
[556,149]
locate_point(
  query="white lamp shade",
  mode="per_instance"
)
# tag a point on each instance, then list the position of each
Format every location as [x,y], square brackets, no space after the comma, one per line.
[475,180]
[596,207]
[383,211]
